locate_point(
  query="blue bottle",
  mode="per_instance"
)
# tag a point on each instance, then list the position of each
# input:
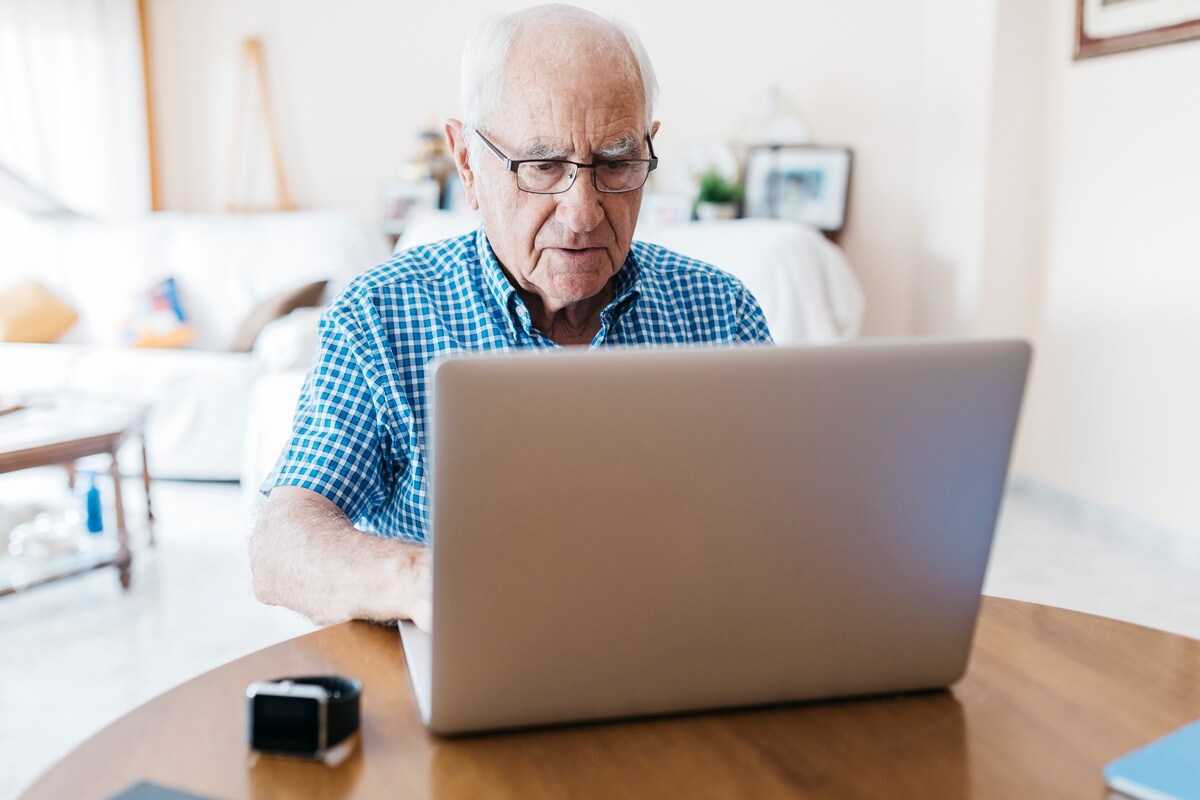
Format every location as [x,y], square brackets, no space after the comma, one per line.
[95,514]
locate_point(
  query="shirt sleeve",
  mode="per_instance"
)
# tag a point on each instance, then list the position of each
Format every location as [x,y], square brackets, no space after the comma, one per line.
[338,441]
[751,323]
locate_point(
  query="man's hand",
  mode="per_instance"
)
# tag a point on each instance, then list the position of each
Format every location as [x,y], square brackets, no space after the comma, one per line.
[305,554]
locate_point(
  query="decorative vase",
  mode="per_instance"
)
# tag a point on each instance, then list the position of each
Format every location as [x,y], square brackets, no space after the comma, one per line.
[710,211]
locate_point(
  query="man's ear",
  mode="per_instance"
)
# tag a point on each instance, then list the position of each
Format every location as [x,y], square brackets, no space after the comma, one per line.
[456,142]
[653,128]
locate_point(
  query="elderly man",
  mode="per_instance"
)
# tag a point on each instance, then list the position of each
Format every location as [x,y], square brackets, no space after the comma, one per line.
[553,149]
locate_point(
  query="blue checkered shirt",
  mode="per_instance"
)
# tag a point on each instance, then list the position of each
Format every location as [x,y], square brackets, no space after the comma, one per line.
[358,437]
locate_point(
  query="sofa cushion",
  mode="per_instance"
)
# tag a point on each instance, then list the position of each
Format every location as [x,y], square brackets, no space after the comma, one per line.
[158,319]
[273,308]
[224,265]
[227,264]
[289,342]
[29,312]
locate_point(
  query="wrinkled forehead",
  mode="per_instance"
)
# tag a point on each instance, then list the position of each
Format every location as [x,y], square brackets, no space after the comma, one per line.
[571,71]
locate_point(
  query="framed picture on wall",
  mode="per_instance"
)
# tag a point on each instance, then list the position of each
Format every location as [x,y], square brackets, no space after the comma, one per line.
[1111,26]
[806,183]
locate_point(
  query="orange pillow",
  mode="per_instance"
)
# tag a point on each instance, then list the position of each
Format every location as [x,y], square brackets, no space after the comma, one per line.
[29,312]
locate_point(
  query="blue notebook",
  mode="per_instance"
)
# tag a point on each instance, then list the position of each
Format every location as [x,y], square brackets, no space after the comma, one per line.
[1166,769]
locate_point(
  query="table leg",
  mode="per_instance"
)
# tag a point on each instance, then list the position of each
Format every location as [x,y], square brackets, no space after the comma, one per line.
[124,555]
[146,481]
[71,474]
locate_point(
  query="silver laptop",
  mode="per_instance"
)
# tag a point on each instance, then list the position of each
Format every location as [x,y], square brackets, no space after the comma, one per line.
[624,533]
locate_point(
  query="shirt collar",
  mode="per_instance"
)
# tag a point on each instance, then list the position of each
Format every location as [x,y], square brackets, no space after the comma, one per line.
[493,274]
[625,285]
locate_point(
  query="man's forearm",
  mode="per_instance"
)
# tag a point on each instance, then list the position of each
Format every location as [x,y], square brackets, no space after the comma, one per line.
[306,555]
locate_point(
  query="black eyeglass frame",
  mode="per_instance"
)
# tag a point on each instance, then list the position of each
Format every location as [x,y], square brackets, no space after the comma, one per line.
[512,165]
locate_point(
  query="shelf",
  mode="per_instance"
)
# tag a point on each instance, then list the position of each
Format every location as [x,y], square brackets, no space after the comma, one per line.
[18,573]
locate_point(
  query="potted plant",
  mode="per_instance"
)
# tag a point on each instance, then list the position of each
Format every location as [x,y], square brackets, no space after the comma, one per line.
[718,197]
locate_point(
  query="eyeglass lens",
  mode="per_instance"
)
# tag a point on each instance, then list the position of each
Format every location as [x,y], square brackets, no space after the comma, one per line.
[550,177]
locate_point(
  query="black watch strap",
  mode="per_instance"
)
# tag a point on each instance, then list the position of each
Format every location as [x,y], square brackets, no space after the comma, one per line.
[342,709]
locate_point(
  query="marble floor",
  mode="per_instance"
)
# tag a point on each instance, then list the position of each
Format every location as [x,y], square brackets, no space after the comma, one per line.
[77,654]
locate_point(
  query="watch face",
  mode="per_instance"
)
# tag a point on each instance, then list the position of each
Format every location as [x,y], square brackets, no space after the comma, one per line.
[285,724]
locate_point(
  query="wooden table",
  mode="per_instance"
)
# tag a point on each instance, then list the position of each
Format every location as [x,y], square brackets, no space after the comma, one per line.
[60,433]
[1049,698]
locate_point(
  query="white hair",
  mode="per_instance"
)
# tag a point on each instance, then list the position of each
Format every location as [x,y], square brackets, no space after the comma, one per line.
[485,60]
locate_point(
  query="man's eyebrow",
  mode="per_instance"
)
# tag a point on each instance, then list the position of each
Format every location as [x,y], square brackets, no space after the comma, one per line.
[543,149]
[625,147]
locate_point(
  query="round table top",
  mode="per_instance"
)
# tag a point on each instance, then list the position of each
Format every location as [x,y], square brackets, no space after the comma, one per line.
[1050,696]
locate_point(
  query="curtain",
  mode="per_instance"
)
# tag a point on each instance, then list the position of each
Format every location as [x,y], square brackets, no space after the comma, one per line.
[72,103]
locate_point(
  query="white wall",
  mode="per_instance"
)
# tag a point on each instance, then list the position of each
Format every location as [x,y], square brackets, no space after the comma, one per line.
[1060,201]
[952,158]
[980,168]
[1014,217]
[1114,407]
[353,81]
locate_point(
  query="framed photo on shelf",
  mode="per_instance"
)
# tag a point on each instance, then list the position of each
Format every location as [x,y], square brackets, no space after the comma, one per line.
[806,183]
[1112,26]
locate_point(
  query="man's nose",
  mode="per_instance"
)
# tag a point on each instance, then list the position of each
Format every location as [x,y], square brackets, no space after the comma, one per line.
[579,207]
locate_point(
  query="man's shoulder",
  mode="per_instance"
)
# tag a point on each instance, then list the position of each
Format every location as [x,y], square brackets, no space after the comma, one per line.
[659,265]
[689,300]
[418,266]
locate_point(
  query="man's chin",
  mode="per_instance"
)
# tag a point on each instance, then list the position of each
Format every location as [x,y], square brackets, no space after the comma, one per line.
[575,287]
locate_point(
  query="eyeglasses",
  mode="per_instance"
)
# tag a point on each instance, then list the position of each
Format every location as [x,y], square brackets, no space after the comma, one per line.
[555,176]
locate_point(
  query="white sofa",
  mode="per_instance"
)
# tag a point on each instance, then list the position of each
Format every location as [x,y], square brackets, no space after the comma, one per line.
[224,266]
[806,289]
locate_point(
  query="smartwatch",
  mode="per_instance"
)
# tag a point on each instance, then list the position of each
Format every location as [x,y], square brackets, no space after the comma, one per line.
[304,717]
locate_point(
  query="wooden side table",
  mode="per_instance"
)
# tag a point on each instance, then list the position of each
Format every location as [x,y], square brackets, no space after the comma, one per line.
[60,433]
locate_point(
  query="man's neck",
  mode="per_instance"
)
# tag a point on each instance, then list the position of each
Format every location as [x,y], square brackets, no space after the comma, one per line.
[575,323]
